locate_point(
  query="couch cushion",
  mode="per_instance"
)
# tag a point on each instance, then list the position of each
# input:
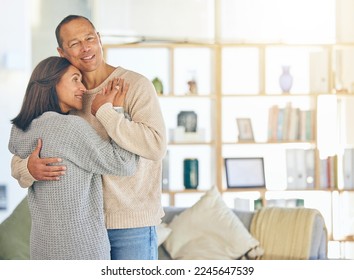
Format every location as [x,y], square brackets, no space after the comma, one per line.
[163,231]
[209,230]
[15,234]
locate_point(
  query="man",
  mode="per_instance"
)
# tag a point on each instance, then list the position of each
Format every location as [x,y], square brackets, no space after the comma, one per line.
[132,204]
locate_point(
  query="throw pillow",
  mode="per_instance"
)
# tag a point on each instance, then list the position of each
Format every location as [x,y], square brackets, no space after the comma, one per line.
[163,231]
[15,234]
[209,230]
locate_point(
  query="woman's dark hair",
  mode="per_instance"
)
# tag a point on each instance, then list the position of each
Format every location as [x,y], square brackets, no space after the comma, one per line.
[41,95]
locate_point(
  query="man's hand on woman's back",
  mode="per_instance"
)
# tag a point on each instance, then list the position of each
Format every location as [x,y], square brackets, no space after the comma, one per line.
[41,168]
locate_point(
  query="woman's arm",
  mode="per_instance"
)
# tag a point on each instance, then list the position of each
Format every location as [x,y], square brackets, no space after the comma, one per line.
[82,145]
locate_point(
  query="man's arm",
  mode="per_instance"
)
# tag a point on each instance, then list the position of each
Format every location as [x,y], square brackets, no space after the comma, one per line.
[145,134]
[33,168]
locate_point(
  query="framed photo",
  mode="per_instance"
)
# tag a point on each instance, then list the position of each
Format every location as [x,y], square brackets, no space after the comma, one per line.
[245,172]
[245,131]
[189,120]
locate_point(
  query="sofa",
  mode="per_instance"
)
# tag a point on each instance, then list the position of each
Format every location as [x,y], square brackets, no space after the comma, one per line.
[207,230]
[318,241]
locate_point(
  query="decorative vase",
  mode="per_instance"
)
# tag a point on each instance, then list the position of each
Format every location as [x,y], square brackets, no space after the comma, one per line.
[158,85]
[285,79]
[190,173]
[192,83]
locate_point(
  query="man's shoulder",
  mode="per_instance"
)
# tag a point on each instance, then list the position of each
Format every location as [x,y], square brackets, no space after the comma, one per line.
[130,74]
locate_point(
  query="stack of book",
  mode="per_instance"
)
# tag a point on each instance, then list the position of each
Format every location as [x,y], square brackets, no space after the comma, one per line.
[329,173]
[290,124]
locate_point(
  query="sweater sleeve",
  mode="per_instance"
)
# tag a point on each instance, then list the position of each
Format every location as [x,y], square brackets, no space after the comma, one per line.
[145,134]
[20,172]
[83,146]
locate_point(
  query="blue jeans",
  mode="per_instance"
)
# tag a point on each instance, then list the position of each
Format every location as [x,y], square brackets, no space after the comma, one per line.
[133,243]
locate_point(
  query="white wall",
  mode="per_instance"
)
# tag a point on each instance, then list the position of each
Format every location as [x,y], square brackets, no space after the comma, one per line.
[27,36]
[15,61]
[189,20]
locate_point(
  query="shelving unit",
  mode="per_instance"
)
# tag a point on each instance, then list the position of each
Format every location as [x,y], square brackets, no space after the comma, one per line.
[174,64]
[241,81]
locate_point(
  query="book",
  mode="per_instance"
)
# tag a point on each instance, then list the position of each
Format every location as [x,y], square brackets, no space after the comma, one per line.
[333,174]
[329,173]
[273,122]
[294,123]
[290,124]
[286,121]
[280,124]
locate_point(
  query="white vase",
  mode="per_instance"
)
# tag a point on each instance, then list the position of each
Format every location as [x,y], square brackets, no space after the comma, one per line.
[285,79]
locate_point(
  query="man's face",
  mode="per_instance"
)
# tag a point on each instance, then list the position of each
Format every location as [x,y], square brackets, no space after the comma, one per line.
[81,45]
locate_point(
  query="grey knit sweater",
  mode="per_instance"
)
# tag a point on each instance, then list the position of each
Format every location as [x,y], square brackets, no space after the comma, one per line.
[129,201]
[67,215]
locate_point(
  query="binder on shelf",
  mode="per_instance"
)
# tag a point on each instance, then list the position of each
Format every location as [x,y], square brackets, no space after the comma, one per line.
[348,171]
[323,174]
[310,168]
[291,171]
[300,168]
[166,172]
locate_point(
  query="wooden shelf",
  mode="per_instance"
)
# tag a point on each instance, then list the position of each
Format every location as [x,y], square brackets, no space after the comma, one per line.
[223,146]
[190,143]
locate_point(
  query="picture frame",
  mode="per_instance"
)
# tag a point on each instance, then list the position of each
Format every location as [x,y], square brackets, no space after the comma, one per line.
[189,120]
[245,130]
[242,172]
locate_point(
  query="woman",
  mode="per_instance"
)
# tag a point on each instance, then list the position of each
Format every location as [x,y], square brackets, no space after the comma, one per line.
[67,215]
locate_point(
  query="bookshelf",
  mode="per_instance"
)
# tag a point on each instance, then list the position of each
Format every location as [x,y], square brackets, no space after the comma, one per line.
[174,65]
[241,81]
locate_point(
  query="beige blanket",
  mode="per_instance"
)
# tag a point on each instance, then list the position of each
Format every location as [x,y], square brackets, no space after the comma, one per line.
[284,233]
